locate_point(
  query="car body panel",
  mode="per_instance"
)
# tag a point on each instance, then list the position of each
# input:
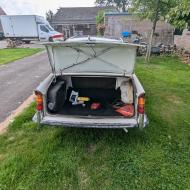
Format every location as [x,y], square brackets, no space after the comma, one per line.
[95,122]
[84,56]
[91,122]
[118,61]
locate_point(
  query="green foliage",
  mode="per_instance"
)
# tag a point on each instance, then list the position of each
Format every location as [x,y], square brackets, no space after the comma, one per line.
[90,159]
[9,55]
[100,17]
[179,15]
[177,12]
[121,5]
[154,11]
[147,8]
[100,23]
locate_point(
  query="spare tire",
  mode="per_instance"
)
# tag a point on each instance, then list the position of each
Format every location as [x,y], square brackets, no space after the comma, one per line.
[56,96]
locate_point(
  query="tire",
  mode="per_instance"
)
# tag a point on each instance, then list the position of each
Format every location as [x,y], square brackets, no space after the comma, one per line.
[27,41]
[50,39]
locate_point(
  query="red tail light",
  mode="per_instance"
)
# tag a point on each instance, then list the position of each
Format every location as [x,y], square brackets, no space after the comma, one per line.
[141,104]
[39,101]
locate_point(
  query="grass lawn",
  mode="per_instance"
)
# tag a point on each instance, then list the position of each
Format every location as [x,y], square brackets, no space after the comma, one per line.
[9,55]
[157,158]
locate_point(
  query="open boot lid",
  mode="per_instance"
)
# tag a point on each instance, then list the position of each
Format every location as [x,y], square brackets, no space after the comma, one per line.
[92,55]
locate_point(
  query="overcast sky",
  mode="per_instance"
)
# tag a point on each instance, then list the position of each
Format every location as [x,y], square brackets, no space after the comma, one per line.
[39,7]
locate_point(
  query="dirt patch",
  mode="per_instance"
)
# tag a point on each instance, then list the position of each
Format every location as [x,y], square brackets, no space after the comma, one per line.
[175,99]
[4,125]
[185,60]
[84,179]
[91,148]
[1,157]
[184,56]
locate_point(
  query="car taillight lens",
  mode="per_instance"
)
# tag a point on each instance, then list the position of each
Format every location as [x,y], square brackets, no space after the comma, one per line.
[141,104]
[39,101]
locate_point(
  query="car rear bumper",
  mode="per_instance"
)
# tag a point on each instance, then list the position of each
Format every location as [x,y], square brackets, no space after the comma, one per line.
[90,122]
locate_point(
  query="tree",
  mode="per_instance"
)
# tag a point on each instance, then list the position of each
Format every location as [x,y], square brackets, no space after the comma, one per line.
[154,19]
[153,10]
[179,15]
[100,22]
[49,15]
[100,17]
[121,5]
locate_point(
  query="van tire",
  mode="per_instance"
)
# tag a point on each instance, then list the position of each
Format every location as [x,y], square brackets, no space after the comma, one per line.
[27,41]
[50,39]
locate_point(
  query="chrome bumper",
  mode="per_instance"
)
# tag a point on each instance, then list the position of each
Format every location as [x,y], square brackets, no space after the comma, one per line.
[65,121]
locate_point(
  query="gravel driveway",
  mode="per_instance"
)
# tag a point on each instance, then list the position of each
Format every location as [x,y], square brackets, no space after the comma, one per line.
[33,44]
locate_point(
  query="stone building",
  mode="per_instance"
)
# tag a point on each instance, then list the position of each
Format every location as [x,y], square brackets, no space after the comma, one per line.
[116,23]
[183,41]
[76,20]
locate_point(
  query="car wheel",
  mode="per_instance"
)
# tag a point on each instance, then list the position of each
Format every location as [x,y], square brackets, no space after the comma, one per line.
[50,39]
[26,41]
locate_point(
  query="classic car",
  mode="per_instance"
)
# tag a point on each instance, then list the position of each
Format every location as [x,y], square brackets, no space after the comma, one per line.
[92,85]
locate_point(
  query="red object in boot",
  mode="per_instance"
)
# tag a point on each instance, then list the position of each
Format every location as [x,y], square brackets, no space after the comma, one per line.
[95,106]
[127,110]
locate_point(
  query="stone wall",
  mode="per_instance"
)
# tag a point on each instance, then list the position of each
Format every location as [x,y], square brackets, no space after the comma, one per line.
[183,41]
[77,29]
[116,24]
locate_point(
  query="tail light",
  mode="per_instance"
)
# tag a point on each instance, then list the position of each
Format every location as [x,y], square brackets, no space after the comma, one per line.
[141,104]
[39,101]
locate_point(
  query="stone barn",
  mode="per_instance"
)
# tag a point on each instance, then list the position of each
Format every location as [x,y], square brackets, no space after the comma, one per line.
[116,23]
[183,41]
[76,20]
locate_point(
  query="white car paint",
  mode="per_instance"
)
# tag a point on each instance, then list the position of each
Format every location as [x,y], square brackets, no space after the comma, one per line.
[88,55]
[91,57]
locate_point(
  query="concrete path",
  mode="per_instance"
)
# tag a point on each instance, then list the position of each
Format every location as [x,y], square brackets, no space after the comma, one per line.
[18,80]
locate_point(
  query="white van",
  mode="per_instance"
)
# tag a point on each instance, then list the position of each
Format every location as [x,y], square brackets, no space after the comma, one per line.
[28,27]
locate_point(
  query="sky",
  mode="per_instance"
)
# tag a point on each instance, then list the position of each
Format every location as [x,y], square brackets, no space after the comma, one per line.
[39,7]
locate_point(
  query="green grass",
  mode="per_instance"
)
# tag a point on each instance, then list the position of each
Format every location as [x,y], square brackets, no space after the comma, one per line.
[9,55]
[157,158]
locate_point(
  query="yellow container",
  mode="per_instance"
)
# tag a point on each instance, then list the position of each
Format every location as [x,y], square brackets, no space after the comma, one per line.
[84,99]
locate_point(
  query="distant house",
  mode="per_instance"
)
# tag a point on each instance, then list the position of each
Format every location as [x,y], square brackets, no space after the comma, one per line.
[2,12]
[76,20]
[116,23]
